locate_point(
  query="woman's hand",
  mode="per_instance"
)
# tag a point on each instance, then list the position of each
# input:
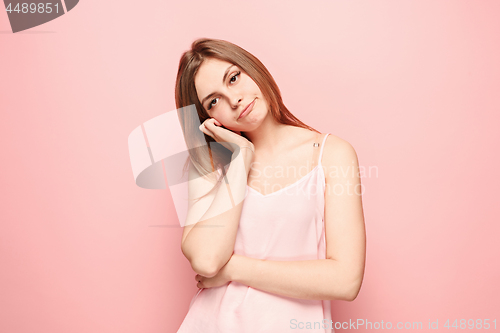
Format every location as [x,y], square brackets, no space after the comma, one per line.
[227,138]
[222,277]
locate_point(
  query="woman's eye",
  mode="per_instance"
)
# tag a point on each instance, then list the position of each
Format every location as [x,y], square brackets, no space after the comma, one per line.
[231,80]
[212,103]
[234,77]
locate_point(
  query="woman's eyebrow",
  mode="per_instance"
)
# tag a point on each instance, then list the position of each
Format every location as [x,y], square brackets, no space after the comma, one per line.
[223,80]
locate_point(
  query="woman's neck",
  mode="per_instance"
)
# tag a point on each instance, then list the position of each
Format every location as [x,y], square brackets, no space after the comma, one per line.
[270,137]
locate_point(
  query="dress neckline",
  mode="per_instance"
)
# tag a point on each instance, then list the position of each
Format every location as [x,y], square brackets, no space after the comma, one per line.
[288,186]
[300,179]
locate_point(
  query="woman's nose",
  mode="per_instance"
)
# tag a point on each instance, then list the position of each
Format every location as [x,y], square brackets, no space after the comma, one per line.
[236,102]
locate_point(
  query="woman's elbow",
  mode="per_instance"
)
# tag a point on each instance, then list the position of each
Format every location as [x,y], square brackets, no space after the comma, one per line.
[205,268]
[352,291]
[200,264]
[351,295]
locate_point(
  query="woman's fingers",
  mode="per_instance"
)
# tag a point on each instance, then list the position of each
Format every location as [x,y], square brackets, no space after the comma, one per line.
[198,279]
[205,130]
[226,137]
[211,128]
[212,121]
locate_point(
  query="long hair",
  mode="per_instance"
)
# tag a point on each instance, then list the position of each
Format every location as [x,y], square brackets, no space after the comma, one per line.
[206,155]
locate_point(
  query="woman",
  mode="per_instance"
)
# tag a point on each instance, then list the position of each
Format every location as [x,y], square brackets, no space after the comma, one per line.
[271,248]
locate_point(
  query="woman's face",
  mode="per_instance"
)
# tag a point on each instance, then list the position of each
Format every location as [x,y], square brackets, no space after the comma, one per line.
[225,91]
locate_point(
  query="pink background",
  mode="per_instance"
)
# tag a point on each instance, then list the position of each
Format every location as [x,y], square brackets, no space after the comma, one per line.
[412,85]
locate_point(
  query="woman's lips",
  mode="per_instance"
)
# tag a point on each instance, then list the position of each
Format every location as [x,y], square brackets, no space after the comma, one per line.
[247,109]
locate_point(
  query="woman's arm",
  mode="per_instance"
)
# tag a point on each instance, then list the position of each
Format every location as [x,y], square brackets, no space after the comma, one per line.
[322,279]
[212,222]
[338,277]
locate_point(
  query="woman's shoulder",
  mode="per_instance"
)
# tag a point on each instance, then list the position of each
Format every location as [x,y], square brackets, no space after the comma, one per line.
[334,141]
[302,134]
[334,145]
[306,134]
[338,151]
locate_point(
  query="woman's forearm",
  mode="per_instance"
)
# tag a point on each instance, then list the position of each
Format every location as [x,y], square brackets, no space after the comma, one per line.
[322,279]
[210,243]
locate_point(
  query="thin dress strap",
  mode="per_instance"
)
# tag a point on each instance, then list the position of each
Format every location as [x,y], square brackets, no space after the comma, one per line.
[321,149]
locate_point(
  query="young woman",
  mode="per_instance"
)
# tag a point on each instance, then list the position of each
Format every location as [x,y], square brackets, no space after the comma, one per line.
[275,227]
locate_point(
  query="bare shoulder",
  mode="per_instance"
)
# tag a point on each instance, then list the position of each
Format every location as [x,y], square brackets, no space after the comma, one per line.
[300,135]
[338,152]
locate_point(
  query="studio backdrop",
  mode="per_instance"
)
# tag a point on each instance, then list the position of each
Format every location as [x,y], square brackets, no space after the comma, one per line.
[411,85]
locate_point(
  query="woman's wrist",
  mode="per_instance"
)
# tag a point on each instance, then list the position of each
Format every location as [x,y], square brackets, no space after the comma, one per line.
[233,266]
[239,267]
[247,147]
[246,156]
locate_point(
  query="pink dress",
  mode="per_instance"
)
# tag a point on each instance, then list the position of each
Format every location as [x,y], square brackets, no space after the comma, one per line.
[285,225]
